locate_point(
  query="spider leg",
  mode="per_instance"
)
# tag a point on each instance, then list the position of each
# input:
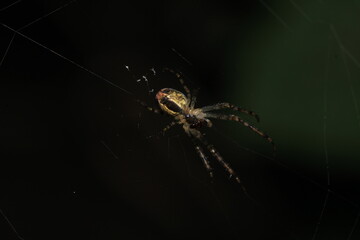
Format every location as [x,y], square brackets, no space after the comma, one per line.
[197,134]
[193,135]
[167,127]
[219,106]
[193,98]
[246,124]
[151,109]
[200,152]
[181,80]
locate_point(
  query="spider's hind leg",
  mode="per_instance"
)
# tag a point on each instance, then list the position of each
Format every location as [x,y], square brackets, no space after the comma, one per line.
[225,105]
[246,124]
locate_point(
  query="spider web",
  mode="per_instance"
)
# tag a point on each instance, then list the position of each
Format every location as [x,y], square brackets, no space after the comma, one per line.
[81,159]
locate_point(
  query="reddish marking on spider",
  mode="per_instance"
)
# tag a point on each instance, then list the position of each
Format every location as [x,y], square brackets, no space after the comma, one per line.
[160,94]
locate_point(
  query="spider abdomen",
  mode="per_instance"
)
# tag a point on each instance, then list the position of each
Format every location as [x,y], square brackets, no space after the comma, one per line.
[172,101]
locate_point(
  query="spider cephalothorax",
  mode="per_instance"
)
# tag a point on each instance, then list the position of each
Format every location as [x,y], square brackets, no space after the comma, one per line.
[182,109]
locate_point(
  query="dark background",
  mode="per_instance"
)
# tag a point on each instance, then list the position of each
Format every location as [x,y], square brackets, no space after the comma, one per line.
[81,160]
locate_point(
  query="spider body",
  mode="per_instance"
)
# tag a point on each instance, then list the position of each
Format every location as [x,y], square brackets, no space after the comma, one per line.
[176,104]
[182,109]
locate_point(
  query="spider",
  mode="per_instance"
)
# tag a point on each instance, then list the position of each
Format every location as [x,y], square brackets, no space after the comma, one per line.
[182,109]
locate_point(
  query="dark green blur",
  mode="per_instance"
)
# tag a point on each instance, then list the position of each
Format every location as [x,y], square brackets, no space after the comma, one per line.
[302,74]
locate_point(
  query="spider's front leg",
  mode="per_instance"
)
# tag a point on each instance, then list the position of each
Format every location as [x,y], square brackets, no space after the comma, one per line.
[180,77]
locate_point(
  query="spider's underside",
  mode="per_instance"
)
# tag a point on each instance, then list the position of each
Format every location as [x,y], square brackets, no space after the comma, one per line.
[182,108]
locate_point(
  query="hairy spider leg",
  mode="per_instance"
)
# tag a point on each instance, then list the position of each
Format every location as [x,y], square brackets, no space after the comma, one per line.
[246,124]
[200,152]
[180,77]
[197,134]
[206,162]
[193,98]
[225,105]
